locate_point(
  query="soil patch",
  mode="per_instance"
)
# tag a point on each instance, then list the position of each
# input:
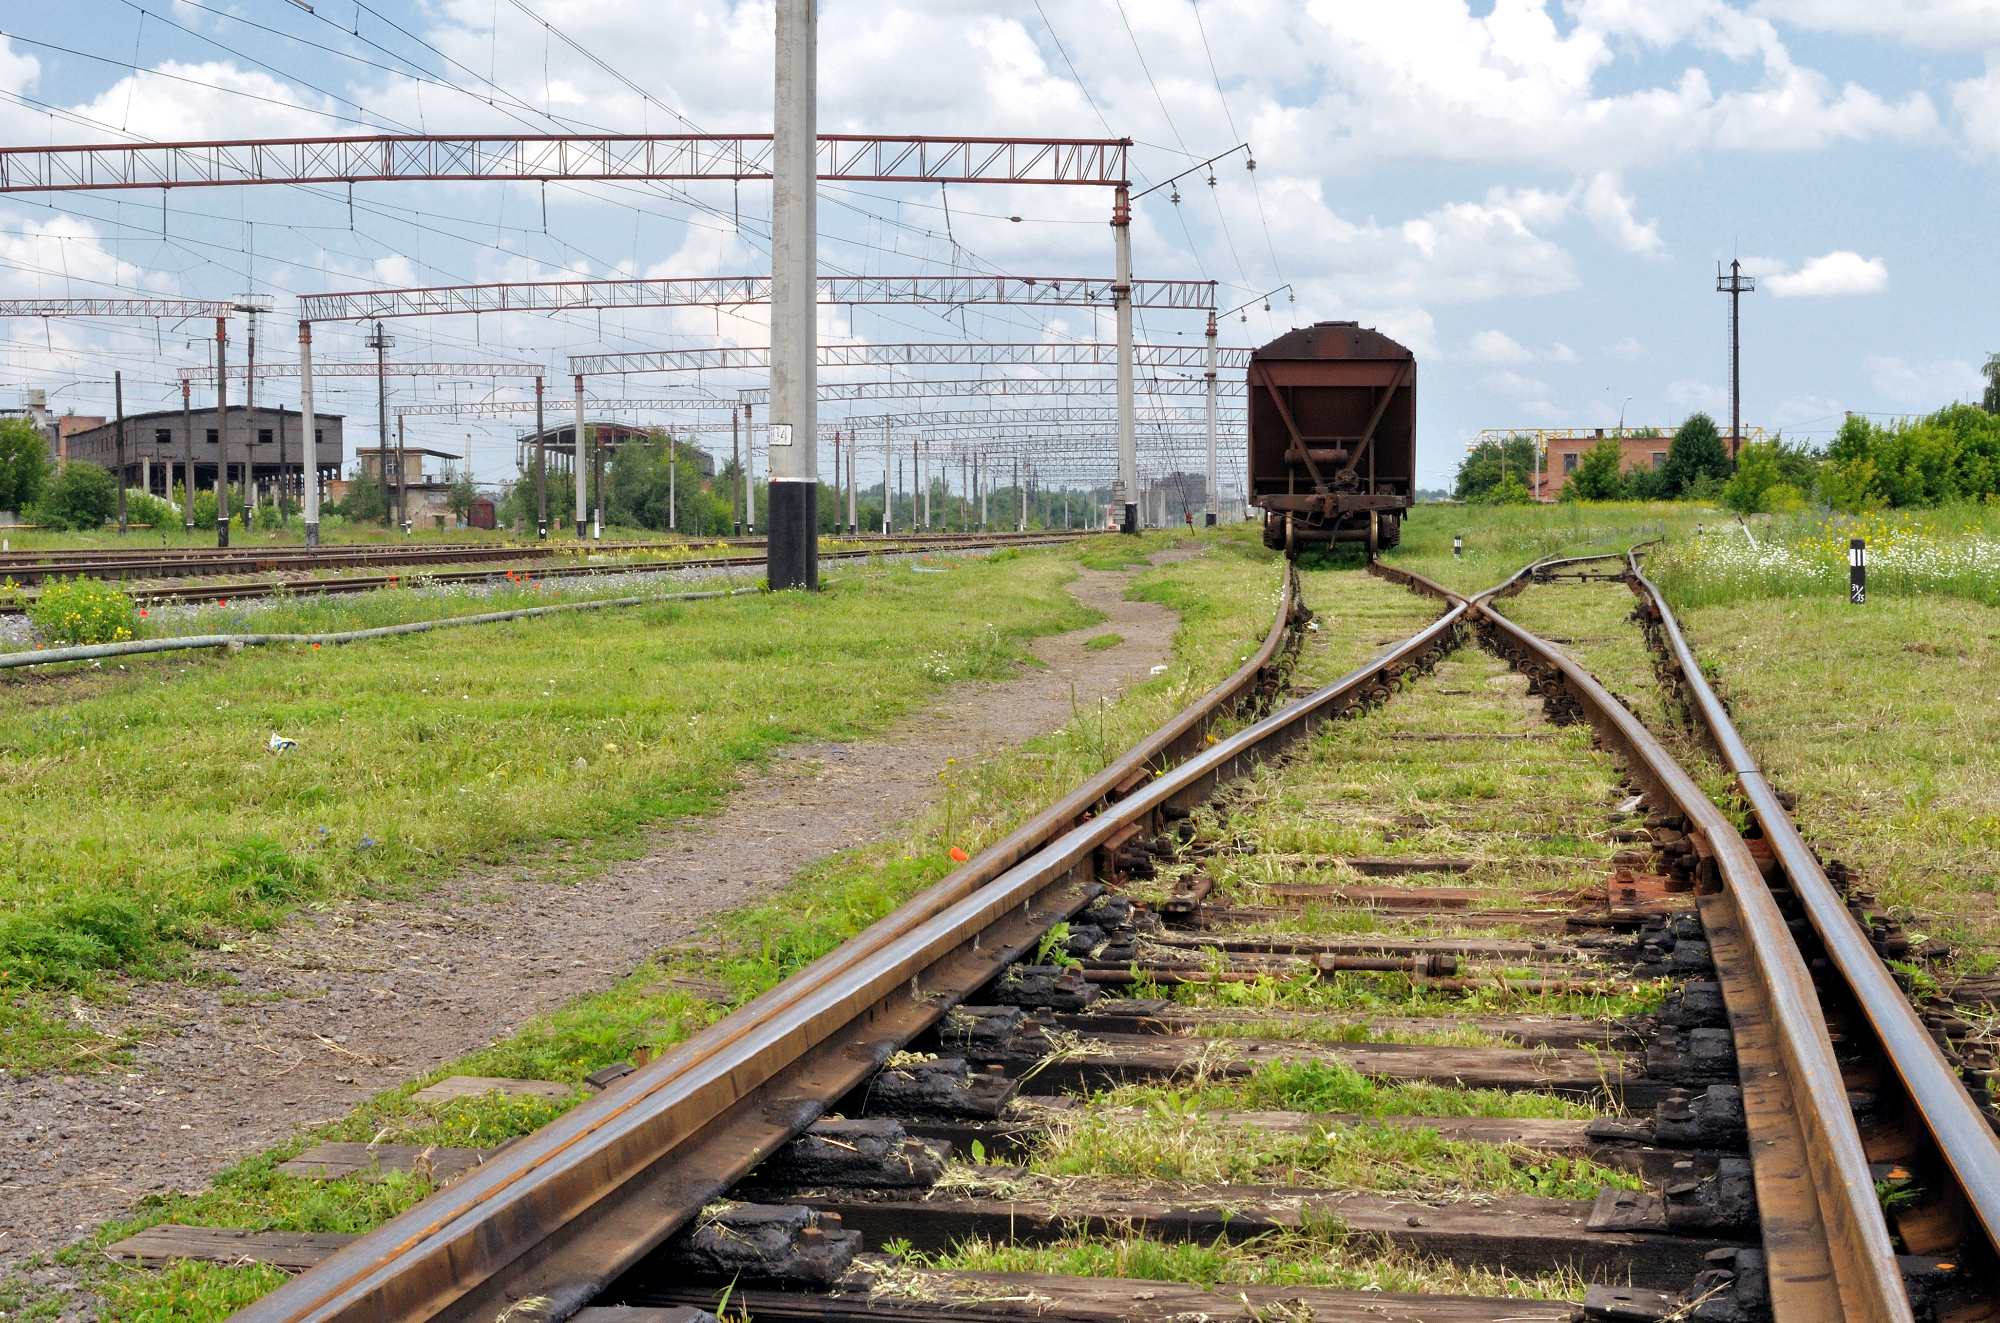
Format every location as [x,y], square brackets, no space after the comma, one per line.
[341,1004]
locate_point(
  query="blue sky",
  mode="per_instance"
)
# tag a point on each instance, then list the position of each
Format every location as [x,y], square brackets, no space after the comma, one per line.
[1533,196]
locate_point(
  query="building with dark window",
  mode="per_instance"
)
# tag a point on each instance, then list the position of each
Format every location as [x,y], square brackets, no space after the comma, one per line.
[560,443]
[157,449]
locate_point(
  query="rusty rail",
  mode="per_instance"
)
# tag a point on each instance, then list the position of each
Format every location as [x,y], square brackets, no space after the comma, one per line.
[550,1221]
[1939,1099]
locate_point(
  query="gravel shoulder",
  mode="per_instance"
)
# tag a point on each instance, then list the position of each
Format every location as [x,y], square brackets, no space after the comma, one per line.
[346,1001]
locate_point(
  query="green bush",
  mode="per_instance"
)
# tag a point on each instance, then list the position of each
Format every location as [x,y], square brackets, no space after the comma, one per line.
[1598,476]
[145,508]
[82,496]
[24,464]
[260,865]
[67,944]
[83,610]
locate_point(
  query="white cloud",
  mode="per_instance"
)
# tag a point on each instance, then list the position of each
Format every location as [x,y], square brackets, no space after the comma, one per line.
[1928,385]
[1610,210]
[1837,273]
[1946,24]
[1977,101]
[1686,394]
[1499,347]
[1626,348]
[1514,384]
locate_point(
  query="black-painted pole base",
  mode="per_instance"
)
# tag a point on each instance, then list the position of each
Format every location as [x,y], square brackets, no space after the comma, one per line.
[792,555]
[582,525]
[1131,518]
[312,535]
[222,531]
[1208,520]
[542,529]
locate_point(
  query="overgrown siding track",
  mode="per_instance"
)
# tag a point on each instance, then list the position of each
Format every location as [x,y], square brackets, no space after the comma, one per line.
[219,574]
[1432,990]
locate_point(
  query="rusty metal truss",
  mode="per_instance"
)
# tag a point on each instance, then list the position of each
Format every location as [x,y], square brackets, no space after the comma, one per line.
[238,371]
[536,157]
[175,308]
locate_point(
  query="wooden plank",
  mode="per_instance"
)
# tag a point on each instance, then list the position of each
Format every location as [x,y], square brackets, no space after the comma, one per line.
[1112,1059]
[1305,1026]
[1515,1233]
[1803,1285]
[332,1162]
[478,1086]
[1381,866]
[1380,944]
[294,1251]
[963,1297]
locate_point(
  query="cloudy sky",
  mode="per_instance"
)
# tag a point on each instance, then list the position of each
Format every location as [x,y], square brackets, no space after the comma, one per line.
[1534,196]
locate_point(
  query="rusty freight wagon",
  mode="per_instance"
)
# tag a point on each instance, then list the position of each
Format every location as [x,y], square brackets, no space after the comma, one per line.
[1333,436]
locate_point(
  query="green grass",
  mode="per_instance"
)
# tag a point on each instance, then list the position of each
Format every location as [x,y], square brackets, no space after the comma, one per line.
[1171,1139]
[145,812]
[1319,1255]
[1104,642]
[1501,539]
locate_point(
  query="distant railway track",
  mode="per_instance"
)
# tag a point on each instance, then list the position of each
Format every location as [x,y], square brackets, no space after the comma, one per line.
[31,567]
[150,574]
[1807,1148]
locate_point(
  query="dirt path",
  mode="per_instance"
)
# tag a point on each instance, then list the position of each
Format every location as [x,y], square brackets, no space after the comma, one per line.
[332,1009]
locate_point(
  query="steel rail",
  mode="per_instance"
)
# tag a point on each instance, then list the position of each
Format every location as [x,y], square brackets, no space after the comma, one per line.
[1963,1137]
[1857,1249]
[628,1167]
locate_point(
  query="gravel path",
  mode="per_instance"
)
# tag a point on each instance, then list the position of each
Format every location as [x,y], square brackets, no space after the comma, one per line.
[370,994]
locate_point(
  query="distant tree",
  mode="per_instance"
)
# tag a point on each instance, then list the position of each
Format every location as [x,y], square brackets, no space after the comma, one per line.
[1695,454]
[82,496]
[365,500]
[1991,401]
[462,494]
[1598,476]
[24,464]
[1510,490]
[1481,470]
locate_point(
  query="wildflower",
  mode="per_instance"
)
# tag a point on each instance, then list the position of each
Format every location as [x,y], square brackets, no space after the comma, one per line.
[959,855]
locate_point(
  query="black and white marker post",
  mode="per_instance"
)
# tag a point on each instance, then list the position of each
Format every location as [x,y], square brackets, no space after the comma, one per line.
[1458,545]
[1857,571]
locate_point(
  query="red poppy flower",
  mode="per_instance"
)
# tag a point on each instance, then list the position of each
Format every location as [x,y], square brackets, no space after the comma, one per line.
[960,855]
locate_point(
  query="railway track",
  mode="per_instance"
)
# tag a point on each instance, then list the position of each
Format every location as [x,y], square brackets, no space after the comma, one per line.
[1681,1074]
[221,577]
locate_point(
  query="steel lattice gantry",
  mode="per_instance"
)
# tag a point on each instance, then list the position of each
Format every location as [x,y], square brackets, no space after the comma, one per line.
[547,157]
[174,308]
[921,354]
[736,291]
[920,388]
[241,372]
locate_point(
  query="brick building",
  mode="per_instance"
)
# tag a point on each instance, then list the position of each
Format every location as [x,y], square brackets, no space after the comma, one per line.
[156,446]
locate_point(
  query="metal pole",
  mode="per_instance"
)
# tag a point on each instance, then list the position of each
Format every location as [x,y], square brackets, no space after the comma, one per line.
[736,489]
[221,434]
[1735,355]
[582,483]
[792,560]
[1209,518]
[187,459]
[596,485]
[853,455]
[927,486]
[1121,297]
[673,486]
[380,344]
[249,425]
[886,452]
[402,481]
[749,473]
[308,437]
[118,394]
[541,467]
[1021,488]
[985,472]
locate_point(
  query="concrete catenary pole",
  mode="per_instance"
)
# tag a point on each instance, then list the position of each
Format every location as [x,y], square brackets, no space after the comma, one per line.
[221,432]
[582,467]
[541,467]
[187,458]
[1022,488]
[853,454]
[673,485]
[793,556]
[749,473]
[249,489]
[380,343]
[1209,517]
[308,435]
[1121,297]
[736,489]
[118,397]
[927,486]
